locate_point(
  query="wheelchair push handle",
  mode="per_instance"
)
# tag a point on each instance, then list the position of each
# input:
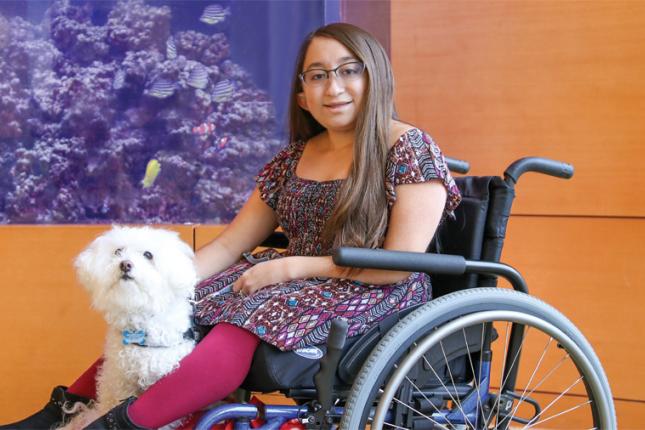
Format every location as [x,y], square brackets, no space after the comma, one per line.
[547,166]
[457,166]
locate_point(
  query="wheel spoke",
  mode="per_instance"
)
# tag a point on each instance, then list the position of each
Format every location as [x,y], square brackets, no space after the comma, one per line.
[573,408]
[422,414]
[517,354]
[394,426]
[480,405]
[556,399]
[421,392]
[443,385]
[445,359]
[501,379]
[417,388]
[551,371]
[524,396]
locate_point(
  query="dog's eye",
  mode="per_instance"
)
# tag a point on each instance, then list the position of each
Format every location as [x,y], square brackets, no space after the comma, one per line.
[118,251]
[148,255]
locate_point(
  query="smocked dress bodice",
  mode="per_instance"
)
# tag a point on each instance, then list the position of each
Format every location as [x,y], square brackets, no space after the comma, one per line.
[303,206]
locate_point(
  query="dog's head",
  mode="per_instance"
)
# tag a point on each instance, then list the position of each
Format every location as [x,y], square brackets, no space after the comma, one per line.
[134,270]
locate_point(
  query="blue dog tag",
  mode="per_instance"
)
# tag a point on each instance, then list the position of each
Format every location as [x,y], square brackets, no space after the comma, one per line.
[134,337]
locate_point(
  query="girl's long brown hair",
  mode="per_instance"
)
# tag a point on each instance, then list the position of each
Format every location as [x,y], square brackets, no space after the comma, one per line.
[360,216]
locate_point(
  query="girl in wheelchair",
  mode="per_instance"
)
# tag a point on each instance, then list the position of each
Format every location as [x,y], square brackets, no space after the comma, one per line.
[351,175]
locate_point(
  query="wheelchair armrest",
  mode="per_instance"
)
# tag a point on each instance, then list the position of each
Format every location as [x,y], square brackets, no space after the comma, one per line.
[429,263]
[399,260]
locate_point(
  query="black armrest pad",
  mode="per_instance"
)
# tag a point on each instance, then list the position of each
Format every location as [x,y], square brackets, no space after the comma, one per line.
[398,260]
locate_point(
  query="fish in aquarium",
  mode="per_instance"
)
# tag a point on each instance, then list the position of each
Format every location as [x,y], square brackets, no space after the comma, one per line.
[223,91]
[223,141]
[204,128]
[161,88]
[214,14]
[210,147]
[152,171]
[198,76]
[171,48]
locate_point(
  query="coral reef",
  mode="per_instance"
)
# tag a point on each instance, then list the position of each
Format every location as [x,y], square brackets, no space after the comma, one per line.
[85,105]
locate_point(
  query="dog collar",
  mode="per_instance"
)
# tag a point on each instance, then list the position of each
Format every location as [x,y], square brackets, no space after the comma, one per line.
[139,338]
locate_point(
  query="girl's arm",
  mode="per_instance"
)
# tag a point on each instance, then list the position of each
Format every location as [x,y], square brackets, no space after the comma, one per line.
[254,223]
[413,221]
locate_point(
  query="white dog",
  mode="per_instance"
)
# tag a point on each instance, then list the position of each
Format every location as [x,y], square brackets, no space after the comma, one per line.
[142,280]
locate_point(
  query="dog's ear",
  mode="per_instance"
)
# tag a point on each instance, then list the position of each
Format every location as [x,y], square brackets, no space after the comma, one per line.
[86,263]
[185,249]
[83,264]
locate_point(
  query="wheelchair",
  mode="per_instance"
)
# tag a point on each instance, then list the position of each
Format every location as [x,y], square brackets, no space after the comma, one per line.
[475,357]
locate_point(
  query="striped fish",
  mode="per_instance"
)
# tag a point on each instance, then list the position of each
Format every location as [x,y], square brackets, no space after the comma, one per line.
[161,89]
[119,80]
[198,76]
[223,91]
[171,49]
[152,171]
[214,14]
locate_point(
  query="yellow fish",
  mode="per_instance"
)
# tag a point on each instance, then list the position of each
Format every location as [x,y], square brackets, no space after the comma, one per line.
[152,171]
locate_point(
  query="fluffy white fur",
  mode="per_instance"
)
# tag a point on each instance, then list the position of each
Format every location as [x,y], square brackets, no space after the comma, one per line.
[153,295]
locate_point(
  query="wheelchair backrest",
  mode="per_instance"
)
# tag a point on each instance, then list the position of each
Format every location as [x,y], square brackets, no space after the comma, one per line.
[476,232]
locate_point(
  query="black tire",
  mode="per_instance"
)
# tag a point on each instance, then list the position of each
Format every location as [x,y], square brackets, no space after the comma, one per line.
[455,312]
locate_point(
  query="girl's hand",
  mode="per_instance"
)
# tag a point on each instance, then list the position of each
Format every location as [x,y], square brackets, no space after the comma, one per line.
[263,274]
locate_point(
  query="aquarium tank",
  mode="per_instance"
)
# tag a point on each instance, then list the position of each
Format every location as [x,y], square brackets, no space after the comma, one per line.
[142,111]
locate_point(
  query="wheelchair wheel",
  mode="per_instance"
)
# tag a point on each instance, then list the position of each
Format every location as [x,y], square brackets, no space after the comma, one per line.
[455,363]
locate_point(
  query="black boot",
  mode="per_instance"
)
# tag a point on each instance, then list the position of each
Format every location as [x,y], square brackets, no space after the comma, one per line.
[116,419]
[53,414]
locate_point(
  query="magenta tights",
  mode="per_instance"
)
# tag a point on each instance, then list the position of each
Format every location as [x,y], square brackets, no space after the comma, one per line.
[216,367]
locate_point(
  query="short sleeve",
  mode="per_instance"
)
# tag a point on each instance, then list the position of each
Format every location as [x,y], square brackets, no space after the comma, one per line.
[416,158]
[273,175]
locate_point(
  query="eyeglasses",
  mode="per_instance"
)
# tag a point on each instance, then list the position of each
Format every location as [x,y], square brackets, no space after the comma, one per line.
[346,72]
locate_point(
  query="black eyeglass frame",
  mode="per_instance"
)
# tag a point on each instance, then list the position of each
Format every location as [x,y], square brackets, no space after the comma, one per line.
[335,70]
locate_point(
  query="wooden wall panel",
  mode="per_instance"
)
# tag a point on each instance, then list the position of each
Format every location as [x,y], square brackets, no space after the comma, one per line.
[591,270]
[494,81]
[206,233]
[49,333]
[631,415]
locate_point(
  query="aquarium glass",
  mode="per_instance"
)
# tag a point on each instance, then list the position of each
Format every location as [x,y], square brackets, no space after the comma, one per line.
[140,111]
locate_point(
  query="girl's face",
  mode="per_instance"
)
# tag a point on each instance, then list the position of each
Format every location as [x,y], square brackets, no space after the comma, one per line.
[334,102]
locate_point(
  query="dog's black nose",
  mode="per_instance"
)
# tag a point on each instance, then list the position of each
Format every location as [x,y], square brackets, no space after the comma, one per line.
[125,266]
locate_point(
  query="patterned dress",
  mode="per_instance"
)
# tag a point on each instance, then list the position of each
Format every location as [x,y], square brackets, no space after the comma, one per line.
[298,313]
